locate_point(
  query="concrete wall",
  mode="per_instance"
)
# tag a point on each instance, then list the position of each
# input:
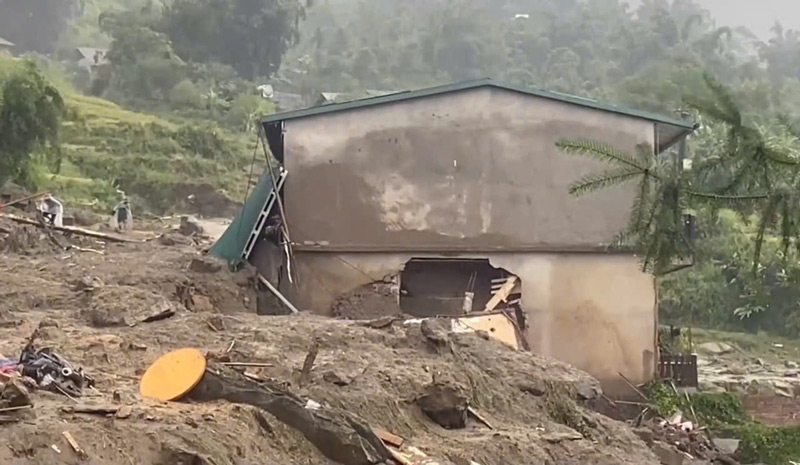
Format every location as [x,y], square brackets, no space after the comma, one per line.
[595,311]
[476,168]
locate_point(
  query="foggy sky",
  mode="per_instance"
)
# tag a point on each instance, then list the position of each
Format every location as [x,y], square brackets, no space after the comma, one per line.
[757,15]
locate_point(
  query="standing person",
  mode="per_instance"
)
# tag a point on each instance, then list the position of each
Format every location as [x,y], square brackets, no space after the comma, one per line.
[51,211]
[123,218]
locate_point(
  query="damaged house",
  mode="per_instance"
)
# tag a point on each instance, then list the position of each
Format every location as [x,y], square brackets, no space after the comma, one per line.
[453,201]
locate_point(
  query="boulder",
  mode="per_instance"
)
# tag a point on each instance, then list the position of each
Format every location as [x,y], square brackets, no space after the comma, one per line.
[714,348]
[190,226]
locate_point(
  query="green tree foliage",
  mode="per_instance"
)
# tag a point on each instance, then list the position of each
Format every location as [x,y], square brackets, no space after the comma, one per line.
[250,35]
[30,118]
[143,63]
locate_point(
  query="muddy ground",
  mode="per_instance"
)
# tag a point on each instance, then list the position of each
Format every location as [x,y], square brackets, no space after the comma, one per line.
[89,308]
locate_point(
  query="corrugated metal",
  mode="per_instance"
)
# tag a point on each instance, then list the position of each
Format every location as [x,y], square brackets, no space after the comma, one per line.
[232,244]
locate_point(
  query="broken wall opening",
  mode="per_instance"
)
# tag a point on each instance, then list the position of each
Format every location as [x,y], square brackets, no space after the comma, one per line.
[442,287]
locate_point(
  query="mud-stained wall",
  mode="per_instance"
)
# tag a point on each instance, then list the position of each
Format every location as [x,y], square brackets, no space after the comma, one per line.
[595,311]
[472,168]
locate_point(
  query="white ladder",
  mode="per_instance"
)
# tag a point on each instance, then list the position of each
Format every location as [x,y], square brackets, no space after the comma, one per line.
[269,204]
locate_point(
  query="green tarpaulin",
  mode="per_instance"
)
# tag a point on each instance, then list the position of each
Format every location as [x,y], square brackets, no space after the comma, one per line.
[231,245]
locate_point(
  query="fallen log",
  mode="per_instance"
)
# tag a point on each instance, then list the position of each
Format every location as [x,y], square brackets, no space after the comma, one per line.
[70,229]
[340,436]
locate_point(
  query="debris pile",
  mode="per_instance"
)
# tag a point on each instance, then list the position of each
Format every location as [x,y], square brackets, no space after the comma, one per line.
[676,441]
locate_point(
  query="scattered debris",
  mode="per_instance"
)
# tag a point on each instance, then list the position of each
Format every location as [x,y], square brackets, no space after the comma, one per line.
[162,315]
[53,372]
[479,417]
[308,363]
[277,294]
[70,229]
[340,436]
[389,438]
[74,444]
[92,409]
[190,226]
[55,448]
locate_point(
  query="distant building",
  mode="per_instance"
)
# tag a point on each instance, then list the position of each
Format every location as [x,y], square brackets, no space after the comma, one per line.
[6,47]
[90,58]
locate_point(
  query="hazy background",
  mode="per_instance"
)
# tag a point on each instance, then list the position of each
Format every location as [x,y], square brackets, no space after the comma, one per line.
[758,16]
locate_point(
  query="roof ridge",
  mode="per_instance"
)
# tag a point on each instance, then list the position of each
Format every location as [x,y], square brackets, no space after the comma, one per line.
[475,84]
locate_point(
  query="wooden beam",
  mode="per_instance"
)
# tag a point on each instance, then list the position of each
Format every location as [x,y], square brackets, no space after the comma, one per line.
[502,294]
[71,229]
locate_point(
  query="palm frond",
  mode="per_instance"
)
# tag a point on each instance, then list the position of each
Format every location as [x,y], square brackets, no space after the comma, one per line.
[594,182]
[600,151]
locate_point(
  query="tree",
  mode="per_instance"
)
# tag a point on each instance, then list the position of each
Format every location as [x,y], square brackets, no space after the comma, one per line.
[752,168]
[30,117]
[250,35]
[142,61]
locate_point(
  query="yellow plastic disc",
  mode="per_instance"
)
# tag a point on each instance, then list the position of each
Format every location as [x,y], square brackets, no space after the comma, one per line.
[173,375]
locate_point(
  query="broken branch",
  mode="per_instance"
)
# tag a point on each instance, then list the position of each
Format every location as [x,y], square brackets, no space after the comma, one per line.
[308,363]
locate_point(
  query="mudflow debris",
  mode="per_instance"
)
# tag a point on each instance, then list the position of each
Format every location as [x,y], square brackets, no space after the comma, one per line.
[294,389]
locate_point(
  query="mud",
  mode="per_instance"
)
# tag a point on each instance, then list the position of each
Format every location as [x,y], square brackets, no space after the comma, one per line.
[373,374]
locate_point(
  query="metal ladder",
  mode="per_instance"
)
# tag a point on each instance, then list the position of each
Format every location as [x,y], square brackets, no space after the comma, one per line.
[269,204]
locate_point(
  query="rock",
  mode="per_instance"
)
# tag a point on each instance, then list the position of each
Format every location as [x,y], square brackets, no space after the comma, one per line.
[202,304]
[668,455]
[48,323]
[190,226]
[735,370]
[790,364]
[533,387]
[791,374]
[561,436]
[645,434]
[170,239]
[727,446]
[87,284]
[588,391]
[435,330]
[216,321]
[334,377]
[124,412]
[15,394]
[107,318]
[205,265]
[714,348]
[445,404]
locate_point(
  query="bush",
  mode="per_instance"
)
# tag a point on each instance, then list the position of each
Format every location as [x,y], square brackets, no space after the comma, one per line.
[185,94]
[773,446]
[247,110]
[204,141]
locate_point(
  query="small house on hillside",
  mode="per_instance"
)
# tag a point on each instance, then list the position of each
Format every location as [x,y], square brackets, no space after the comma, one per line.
[453,201]
[90,58]
[6,47]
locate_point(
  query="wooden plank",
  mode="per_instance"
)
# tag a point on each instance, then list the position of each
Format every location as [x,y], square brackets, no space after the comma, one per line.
[74,444]
[478,417]
[71,229]
[501,295]
[402,459]
[389,438]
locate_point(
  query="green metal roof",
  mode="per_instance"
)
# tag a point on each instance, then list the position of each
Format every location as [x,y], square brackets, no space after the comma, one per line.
[467,85]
